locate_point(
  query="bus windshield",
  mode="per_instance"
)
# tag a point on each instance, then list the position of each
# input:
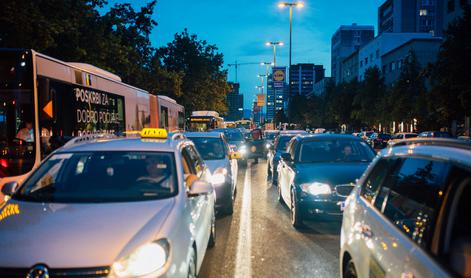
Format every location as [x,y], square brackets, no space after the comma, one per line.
[17,141]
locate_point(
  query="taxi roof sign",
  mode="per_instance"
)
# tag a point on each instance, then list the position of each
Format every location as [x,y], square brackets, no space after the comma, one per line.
[155,133]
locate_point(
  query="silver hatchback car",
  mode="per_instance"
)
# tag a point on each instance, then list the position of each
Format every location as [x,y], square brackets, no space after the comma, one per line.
[222,162]
[139,207]
[408,216]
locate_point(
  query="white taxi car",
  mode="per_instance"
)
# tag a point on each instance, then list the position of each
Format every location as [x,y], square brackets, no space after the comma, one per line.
[409,214]
[130,207]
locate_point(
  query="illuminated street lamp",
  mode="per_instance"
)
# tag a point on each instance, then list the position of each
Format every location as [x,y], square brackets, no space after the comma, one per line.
[290,5]
[274,45]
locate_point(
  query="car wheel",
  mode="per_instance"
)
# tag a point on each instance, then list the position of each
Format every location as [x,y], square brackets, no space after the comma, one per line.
[350,271]
[230,206]
[296,217]
[212,235]
[192,264]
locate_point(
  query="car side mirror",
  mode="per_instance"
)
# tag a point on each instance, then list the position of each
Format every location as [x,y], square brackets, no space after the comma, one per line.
[10,188]
[235,155]
[286,157]
[199,188]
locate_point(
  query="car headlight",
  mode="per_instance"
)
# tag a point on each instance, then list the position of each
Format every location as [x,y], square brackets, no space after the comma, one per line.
[267,146]
[316,188]
[145,260]
[219,176]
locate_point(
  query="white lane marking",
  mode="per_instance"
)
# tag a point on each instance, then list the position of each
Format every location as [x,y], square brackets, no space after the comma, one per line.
[243,267]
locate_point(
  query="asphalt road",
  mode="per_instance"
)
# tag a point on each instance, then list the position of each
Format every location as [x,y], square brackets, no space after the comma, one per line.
[259,241]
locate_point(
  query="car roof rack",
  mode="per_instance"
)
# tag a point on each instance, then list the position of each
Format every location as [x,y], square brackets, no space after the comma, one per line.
[444,142]
[89,138]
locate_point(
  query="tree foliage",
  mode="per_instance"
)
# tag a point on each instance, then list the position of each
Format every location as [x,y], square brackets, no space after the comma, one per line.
[451,93]
[204,82]
[118,40]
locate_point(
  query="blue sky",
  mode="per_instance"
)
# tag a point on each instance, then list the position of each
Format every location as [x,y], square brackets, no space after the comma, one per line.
[241,28]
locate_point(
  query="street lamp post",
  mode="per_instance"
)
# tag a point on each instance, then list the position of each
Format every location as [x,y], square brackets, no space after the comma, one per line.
[290,5]
[274,45]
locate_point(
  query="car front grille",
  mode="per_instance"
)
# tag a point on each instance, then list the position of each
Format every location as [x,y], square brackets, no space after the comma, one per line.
[94,272]
[344,190]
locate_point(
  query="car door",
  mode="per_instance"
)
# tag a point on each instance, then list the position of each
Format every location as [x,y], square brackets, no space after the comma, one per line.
[409,200]
[287,173]
[233,163]
[367,214]
[202,208]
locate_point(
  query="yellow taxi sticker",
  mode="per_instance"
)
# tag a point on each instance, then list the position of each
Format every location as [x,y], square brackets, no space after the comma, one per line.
[156,133]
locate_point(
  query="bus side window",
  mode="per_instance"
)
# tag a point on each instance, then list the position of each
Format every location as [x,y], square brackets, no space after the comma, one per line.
[46,115]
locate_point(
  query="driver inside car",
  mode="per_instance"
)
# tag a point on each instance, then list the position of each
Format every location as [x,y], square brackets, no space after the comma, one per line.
[156,173]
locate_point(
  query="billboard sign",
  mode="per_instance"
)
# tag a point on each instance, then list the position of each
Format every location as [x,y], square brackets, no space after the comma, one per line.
[260,100]
[279,77]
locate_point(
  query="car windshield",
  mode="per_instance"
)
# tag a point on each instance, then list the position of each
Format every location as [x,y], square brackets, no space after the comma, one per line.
[210,148]
[96,177]
[283,142]
[410,135]
[270,135]
[335,150]
[234,136]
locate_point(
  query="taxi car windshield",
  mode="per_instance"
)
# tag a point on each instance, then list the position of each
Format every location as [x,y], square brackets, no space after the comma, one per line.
[95,177]
[335,151]
[209,148]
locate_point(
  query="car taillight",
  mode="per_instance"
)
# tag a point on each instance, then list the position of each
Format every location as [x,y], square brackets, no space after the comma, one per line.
[4,163]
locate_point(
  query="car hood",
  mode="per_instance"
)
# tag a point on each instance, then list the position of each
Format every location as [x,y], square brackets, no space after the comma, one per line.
[330,173]
[77,235]
[214,164]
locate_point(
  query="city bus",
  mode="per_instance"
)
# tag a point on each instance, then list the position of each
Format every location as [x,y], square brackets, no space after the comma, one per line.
[44,102]
[247,124]
[205,120]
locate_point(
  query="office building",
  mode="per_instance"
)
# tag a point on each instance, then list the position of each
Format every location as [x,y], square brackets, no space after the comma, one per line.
[277,99]
[350,67]
[235,103]
[425,49]
[320,87]
[345,41]
[409,16]
[371,54]
[303,76]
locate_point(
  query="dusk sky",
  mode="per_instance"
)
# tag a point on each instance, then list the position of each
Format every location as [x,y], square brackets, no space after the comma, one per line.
[240,29]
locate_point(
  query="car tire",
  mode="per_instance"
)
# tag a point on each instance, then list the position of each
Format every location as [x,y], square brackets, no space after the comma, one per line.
[229,210]
[192,273]
[212,235]
[350,270]
[296,214]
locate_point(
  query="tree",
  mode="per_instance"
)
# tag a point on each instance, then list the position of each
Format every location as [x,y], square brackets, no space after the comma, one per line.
[74,30]
[366,101]
[451,93]
[204,83]
[408,98]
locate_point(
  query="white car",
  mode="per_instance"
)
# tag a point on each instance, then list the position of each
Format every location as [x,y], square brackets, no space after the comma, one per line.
[131,207]
[408,216]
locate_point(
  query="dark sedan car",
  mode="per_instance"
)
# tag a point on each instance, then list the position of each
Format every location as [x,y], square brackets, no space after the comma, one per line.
[316,173]
[379,140]
[276,149]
